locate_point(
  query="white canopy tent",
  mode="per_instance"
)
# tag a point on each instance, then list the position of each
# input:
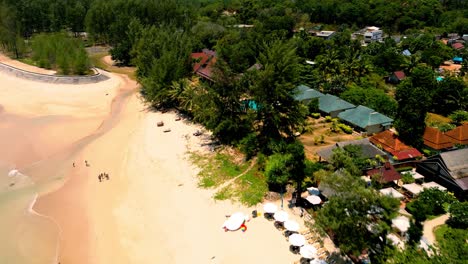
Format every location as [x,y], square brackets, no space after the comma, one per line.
[413,188]
[392,192]
[428,185]
[402,223]
[314,199]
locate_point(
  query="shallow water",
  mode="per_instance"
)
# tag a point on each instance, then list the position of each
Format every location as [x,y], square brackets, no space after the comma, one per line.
[44,163]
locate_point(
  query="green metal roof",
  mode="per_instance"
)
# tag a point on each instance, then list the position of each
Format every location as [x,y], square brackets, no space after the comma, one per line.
[329,103]
[302,94]
[302,88]
[363,117]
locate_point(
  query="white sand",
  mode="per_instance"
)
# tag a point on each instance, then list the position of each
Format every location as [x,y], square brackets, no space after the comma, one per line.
[151,210]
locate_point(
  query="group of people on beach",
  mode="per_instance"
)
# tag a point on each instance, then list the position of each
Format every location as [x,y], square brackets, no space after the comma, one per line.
[103,176]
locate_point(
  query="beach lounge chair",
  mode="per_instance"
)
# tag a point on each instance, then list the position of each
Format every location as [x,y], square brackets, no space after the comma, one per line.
[167,130]
[160,124]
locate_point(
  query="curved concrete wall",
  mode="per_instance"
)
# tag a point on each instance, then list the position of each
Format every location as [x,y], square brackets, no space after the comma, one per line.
[59,79]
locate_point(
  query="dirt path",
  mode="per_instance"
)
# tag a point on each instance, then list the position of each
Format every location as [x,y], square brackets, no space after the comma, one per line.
[429,225]
[222,186]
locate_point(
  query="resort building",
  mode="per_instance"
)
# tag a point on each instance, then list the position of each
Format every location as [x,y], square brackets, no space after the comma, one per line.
[366,120]
[436,139]
[459,135]
[203,63]
[390,143]
[305,94]
[449,169]
[368,150]
[332,105]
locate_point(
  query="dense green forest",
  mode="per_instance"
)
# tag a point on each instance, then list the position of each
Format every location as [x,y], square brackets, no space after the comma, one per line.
[158,36]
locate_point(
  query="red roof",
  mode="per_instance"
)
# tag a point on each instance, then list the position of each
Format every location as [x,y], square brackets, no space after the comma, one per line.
[435,139]
[400,75]
[459,135]
[205,61]
[410,153]
[458,45]
[389,142]
[387,172]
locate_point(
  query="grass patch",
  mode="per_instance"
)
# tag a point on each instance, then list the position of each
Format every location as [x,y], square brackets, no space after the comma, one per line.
[97,61]
[439,233]
[252,187]
[224,194]
[216,169]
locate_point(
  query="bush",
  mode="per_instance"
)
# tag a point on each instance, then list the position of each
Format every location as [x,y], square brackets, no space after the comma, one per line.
[407,178]
[458,117]
[345,128]
[315,115]
[58,51]
[458,215]
[328,119]
[431,201]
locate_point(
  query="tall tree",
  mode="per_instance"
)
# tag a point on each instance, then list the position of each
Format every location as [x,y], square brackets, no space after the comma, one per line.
[414,97]
[272,89]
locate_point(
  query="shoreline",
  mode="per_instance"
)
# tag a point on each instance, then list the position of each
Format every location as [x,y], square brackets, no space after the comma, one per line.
[152,209]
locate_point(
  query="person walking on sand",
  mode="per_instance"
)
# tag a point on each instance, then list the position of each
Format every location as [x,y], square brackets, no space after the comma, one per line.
[100,177]
[73,164]
[86,163]
[107,176]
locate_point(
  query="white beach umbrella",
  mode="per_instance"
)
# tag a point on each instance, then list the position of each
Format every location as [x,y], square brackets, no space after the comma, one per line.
[281,216]
[235,221]
[13,173]
[313,191]
[291,225]
[297,240]
[314,199]
[270,208]
[308,252]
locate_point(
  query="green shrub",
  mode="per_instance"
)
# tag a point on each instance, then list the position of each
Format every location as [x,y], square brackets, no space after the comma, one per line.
[407,178]
[345,128]
[328,119]
[315,115]
[458,117]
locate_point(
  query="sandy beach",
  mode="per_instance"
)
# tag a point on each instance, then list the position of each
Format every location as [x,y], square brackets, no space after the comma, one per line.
[150,210]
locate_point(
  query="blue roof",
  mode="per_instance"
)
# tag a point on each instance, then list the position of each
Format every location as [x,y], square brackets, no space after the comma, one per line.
[363,117]
[406,52]
[440,78]
[458,59]
[329,103]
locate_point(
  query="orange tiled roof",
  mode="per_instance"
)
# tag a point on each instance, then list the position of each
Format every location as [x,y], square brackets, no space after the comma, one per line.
[459,135]
[390,143]
[435,139]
